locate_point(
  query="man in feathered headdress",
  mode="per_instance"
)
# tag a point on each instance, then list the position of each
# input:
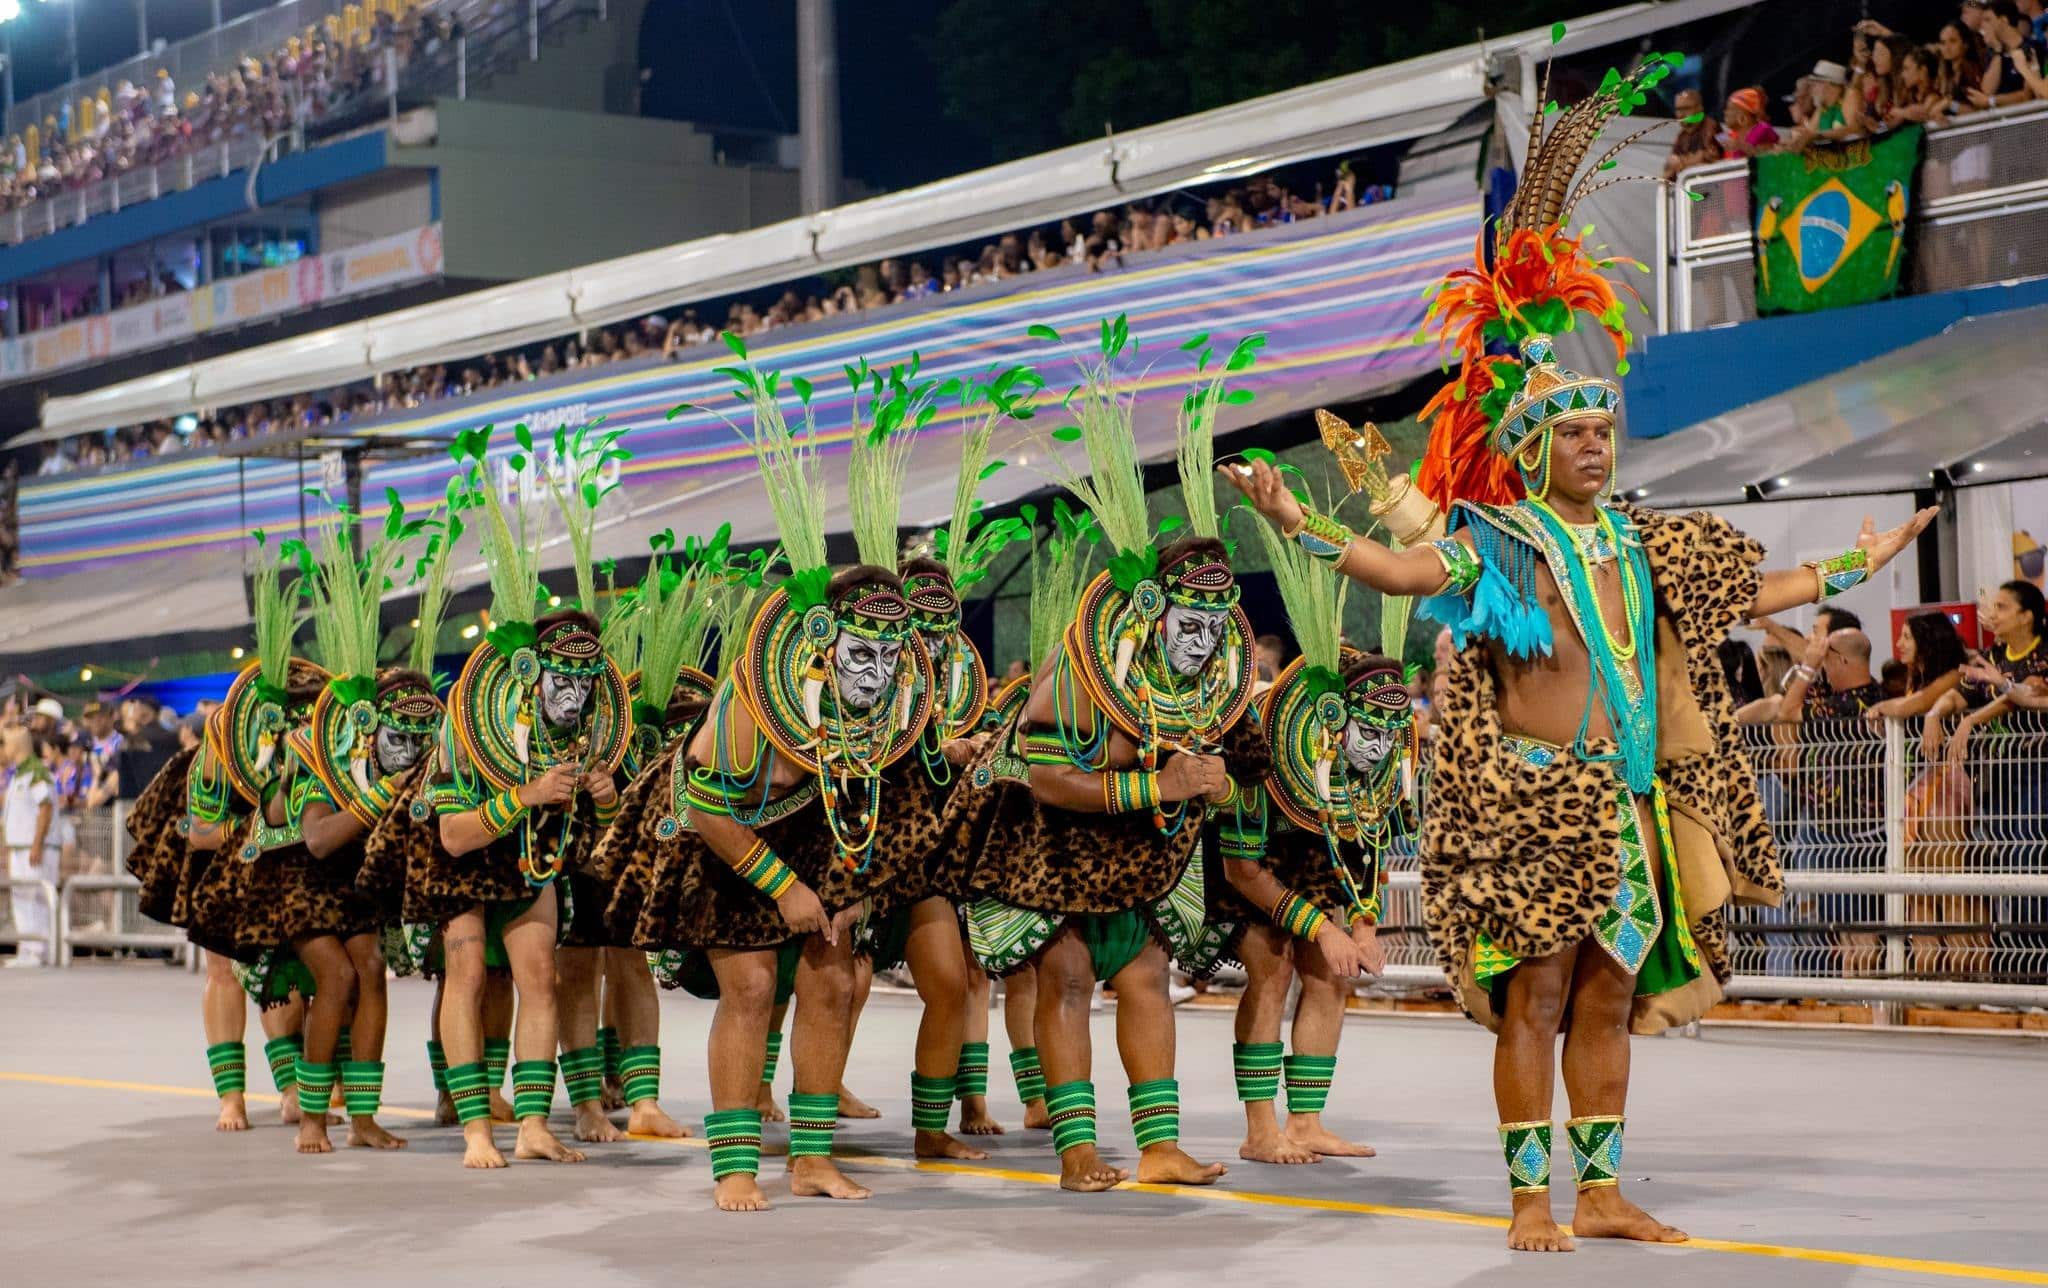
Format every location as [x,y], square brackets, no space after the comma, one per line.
[185,824]
[1082,821]
[1588,779]
[777,824]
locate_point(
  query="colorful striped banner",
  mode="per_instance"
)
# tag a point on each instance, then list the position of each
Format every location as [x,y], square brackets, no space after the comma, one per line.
[1339,299]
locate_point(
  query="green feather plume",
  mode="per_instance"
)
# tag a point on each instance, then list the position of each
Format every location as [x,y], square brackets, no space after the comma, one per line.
[345,592]
[1059,571]
[898,405]
[1195,442]
[1113,486]
[431,573]
[1313,594]
[275,609]
[967,553]
[511,533]
[577,484]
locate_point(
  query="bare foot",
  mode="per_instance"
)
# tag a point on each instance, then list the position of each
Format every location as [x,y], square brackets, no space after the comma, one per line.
[337,1100]
[1604,1214]
[1270,1145]
[812,1177]
[477,1148]
[1036,1116]
[739,1193]
[1083,1171]
[852,1106]
[975,1119]
[444,1111]
[536,1141]
[501,1108]
[288,1107]
[234,1113]
[1307,1131]
[592,1127]
[1533,1229]
[937,1144]
[365,1133]
[770,1111]
[614,1095]
[648,1118]
[1170,1165]
[313,1135]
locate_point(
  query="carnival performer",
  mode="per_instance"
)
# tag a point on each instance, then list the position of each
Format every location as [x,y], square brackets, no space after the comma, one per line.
[775,827]
[369,730]
[1590,810]
[1082,820]
[915,919]
[1302,852]
[520,785]
[200,850]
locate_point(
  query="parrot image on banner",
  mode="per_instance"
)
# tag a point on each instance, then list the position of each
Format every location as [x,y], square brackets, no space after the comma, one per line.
[1766,229]
[1895,210]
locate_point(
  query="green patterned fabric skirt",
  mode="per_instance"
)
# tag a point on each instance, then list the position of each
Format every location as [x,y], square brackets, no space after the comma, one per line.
[1005,937]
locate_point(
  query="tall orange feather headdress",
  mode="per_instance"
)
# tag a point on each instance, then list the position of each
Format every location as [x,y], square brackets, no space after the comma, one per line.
[1539,279]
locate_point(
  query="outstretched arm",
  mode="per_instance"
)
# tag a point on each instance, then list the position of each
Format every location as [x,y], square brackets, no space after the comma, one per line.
[1418,570]
[1791,587]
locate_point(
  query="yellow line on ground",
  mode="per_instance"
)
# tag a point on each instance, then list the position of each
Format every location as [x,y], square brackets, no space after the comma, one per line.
[1253,1198]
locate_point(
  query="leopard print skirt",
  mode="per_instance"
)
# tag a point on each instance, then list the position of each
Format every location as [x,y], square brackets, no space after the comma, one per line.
[156,826]
[241,906]
[675,892]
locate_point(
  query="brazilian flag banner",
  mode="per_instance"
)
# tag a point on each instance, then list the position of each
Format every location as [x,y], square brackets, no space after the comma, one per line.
[1831,221]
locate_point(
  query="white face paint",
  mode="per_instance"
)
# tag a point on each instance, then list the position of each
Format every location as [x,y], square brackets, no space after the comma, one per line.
[563,697]
[1192,636]
[937,646]
[863,668]
[397,752]
[1366,746]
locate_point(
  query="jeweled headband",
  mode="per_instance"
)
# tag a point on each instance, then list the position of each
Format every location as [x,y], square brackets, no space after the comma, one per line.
[1551,393]
[1379,696]
[1207,585]
[874,611]
[410,711]
[569,649]
[934,604]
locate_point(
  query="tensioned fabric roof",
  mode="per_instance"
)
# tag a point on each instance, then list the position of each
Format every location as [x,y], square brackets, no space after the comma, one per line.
[1971,403]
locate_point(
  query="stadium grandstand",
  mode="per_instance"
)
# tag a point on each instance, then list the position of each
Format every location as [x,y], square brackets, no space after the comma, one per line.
[296,258]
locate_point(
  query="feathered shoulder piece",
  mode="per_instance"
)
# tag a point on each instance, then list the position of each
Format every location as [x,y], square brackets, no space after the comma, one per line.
[1534,283]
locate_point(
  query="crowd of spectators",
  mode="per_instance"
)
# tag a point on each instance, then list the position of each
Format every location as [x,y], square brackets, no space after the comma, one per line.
[60,776]
[10,521]
[1091,244]
[127,127]
[1989,55]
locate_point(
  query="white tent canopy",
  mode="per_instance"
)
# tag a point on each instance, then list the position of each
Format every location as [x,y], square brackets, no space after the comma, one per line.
[1967,403]
[1385,104]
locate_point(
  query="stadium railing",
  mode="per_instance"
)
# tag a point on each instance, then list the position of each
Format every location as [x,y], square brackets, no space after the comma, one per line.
[1980,216]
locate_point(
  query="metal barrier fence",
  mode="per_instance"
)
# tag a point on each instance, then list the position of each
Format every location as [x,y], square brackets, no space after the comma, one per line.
[1910,877]
[1978,217]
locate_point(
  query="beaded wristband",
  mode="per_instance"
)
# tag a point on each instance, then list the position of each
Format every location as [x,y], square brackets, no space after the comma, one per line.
[1130,791]
[762,869]
[1364,912]
[1461,566]
[1322,537]
[1231,794]
[606,813]
[1298,917]
[1845,571]
[501,811]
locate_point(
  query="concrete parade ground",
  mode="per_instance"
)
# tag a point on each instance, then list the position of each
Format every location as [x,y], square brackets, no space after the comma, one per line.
[1792,1157]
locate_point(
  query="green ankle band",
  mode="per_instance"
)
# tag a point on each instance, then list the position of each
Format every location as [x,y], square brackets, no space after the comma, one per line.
[774,1056]
[971,1079]
[1029,1073]
[497,1054]
[1308,1082]
[735,1139]
[469,1087]
[533,1088]
[362,1087]
[608,1042]
[230,1066]
[1257,1066]
[283,1054]
[437,1060]
[583,1074]
[640,1073]
[1596,1149]
[1527,1149]
[812,1120]
[1072,1106]
[931,1100]
[1155,1112]
[316,1085]
[344,1050]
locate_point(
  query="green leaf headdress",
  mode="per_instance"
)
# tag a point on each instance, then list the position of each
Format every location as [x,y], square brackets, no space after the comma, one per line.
[274,606]
[431,571]
[675,613]
[511,534]
[1313,594]
[966,552]
[878,456]
[1060,565]
[576,482]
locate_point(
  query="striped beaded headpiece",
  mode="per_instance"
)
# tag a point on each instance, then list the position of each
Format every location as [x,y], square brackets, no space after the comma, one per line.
[1195,581]
[873,610]
[568,644]
[406,703]
[1376,691]
[934,603]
